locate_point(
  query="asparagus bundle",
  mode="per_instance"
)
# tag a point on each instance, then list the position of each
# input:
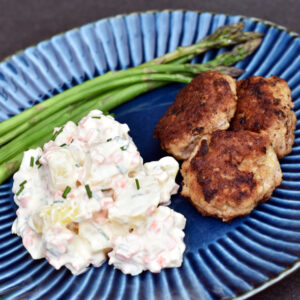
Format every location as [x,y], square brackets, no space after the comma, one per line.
[34,126]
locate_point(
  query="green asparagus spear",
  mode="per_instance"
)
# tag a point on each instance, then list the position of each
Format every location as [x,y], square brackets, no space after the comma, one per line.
[25,140]
[225,59]
[50,113]
[104,103]
[224,36]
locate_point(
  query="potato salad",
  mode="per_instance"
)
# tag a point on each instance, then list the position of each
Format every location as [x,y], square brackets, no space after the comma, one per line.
[86,197]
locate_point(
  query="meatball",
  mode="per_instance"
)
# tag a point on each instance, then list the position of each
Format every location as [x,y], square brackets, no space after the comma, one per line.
[229,173]
[265,106]
[205,105]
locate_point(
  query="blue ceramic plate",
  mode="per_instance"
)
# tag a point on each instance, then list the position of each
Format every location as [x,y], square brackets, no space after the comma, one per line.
[221,260]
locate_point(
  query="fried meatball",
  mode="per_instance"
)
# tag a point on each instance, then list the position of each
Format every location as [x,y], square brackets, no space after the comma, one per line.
[229,173]
[265,106]
[205,105]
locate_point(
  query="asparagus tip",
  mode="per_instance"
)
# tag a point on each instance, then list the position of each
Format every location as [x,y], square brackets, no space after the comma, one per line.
[226,31]
[232,71]
[248,47]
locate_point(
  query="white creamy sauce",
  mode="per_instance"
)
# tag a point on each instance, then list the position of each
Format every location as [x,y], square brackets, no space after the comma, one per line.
[87,196]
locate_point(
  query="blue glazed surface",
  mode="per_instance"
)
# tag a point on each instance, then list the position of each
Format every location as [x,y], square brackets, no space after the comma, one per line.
[221,260]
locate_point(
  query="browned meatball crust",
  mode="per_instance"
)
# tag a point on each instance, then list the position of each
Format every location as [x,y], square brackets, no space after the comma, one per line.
[265,106]
[205,105]
[229,173]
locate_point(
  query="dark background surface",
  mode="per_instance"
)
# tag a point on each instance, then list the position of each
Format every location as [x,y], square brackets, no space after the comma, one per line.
[27,22]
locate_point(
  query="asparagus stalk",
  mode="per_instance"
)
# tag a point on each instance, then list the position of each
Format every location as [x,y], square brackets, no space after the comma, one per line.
[140,76]
[95,86]
[227,58]
[82,92]
[35,114]
[25,140]
[182,60]
[224,36]
[227,35]
[238,53]
[42,132]
[104,103]
[54,104]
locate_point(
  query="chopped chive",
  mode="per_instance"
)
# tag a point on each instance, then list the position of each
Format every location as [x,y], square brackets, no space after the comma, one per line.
[25,181]
[62,145]
[106,113]
[137,183]
[37,162]
[88,191]
[105,190]
[20,190]
[95,117]
[57,133]
[66,192]
[31,161]
[123,148]
[21,187]
[109,140]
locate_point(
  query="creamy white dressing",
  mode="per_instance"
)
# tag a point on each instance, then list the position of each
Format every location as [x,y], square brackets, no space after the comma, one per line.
[87,196]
